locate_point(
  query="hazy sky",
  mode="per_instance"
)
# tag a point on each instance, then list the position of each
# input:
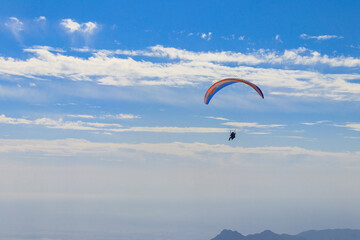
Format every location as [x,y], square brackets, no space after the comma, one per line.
[104,133]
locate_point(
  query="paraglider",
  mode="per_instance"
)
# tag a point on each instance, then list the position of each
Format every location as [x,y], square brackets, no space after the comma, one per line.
[232,135]
[226,82]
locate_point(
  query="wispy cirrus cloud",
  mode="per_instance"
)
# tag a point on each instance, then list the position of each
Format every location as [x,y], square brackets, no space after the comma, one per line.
[15,26]
[320,37]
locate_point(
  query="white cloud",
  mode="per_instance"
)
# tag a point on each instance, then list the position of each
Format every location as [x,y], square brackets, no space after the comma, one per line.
[321,37]
[114,127]
[315,123]
[68,125]
[171,129]
[206,36]
[84,49]
[72,26]
[66,147]
[40,19]
[138,171]
[89,27]
[191,68]
[218,118]
[300,56]
[60,124]
[81,116]
[9,120]
[351,126]
[122,116]
[108,127]
[49,49]
[354,126]
[259,133]
[277,38]
[15,26]
[252,125]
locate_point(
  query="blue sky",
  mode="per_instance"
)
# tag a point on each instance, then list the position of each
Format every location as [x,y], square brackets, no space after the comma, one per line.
[104,131]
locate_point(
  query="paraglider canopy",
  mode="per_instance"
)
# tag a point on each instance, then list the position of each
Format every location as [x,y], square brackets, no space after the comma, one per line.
[226,82]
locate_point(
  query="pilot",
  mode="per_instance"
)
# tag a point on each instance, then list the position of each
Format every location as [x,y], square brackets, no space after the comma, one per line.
[232,136]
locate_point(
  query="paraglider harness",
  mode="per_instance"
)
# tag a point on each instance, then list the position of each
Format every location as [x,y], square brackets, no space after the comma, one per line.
[232,135]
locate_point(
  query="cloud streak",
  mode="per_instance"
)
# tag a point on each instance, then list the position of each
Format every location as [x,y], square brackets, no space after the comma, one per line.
[81,116]
[351,126]
[218,118]
[122,116]
[59,124]
[188,68]
[321,37]
[172,129]
[107,127]
[315,123]
[66,147]
[252,125]
[115,127]
[299,56]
